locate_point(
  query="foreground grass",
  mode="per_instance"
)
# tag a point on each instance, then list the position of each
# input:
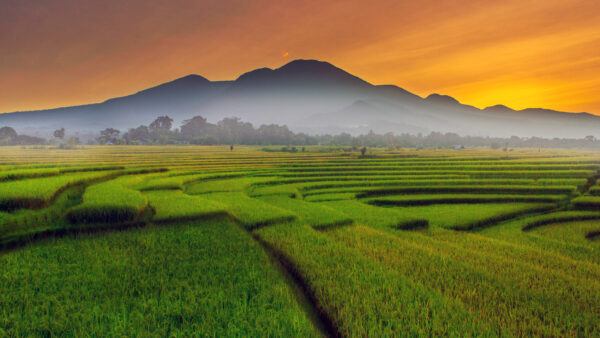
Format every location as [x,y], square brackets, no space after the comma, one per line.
[370,242]
[364,297]
[207,279]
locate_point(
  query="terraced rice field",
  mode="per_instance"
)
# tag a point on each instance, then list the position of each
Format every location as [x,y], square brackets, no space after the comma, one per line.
[161,241]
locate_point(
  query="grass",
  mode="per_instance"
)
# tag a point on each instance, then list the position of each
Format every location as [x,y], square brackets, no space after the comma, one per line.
[22,173]
[197,240]
[364,297]
[451,216]
[224,185]
[170,206]
[251,212]
[316,215]
[24,224]
[219,283]
[365,214]
[497,289]
[38,192]
[574,231]
[109,201]
[177,182]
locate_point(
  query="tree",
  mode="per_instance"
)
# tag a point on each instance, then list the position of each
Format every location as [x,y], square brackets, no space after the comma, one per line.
[8,136]
[140,134]
[343,139]
[275,134]
[196,127]
[59,133]
[7,133]
[108,135]
[161,123]
[363,151]
[233,130]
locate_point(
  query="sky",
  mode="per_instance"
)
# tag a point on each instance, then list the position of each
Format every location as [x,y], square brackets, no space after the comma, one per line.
[520,53]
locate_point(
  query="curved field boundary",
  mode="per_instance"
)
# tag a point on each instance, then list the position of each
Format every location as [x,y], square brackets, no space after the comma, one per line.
[275,186]
[21,240]
[365,214]
[593,235]
[316,215]
[416,200]
[469,174]
[13,175]
[37,193]
[412,224]
[437,167]
[559,217]
[503,217]
[567,190]
[587,203]
[109,201]
[331,197]
[178,182]
[174,205]
[431,182]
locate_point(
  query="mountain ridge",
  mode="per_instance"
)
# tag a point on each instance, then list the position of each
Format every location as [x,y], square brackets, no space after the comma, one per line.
[295,92]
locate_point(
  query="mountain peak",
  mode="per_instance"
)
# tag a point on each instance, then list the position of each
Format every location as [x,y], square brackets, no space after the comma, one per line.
[254,75]
[441,99]
[320,70]
[301,73]
[499,108]
[309,65]
[192,80]
[186,85]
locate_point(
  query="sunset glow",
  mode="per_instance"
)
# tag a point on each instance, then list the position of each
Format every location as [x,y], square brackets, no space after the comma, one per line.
[537,53]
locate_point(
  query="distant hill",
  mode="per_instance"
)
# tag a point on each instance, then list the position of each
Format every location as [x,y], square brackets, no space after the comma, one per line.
[307,95]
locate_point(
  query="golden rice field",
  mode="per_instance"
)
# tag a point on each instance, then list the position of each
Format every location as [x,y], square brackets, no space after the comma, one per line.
[204,241]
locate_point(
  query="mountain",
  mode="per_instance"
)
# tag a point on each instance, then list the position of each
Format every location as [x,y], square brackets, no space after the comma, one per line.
[307,95]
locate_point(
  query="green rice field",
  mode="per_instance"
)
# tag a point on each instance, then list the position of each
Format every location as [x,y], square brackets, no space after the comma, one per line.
[205,241]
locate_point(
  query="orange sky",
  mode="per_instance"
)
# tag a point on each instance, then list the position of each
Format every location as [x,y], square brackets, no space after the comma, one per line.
[522,53]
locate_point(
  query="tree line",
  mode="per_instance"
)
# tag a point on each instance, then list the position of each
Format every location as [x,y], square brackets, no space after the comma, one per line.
[9,137]
[233,130]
